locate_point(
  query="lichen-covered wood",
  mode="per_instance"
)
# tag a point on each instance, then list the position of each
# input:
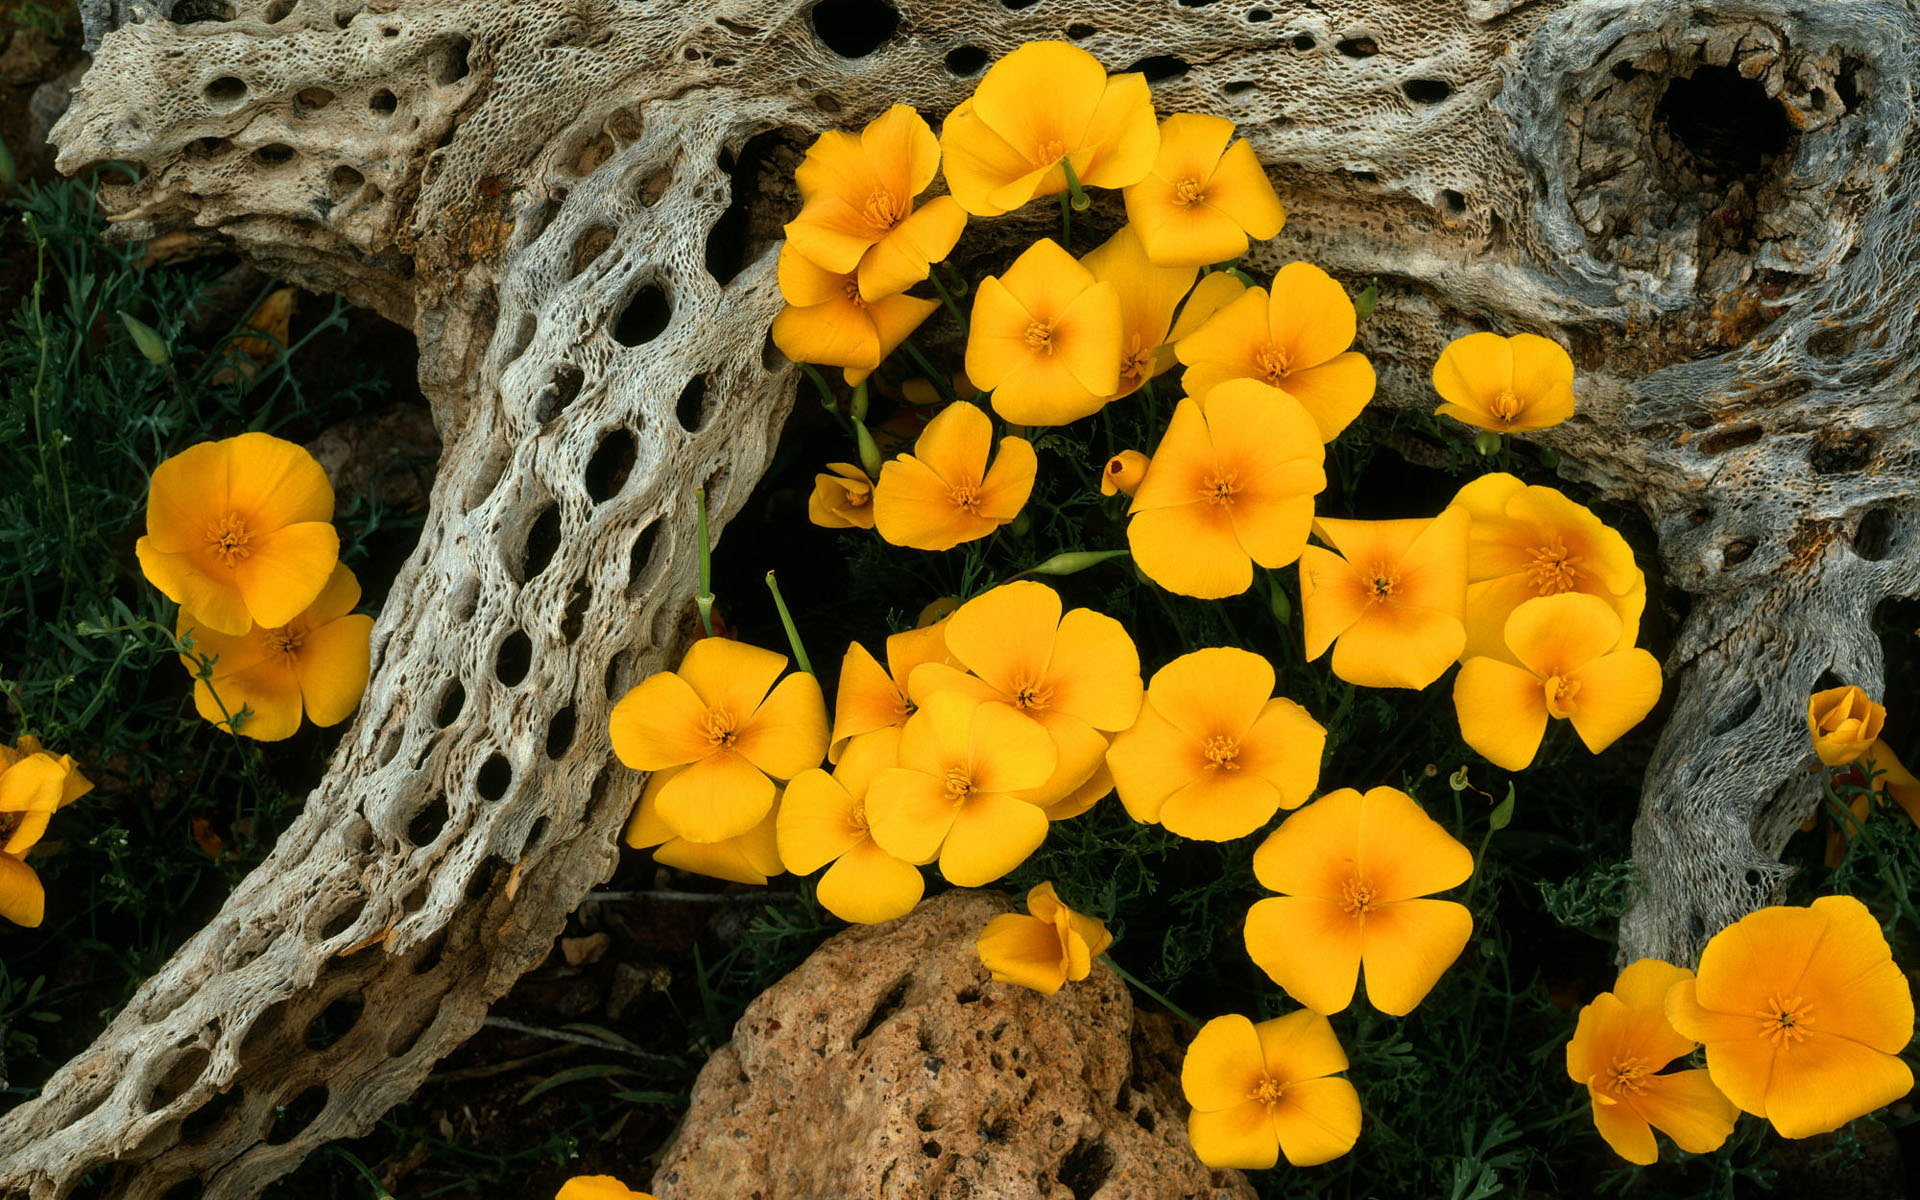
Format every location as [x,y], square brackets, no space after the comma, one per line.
[572,204]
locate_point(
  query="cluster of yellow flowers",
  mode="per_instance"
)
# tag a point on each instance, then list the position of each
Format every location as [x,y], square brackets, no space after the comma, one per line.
[34,784]
[240,536]
[1845,725]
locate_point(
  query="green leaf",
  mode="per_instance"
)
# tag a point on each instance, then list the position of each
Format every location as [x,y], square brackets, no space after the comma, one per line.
[1502,812]
[574,1075]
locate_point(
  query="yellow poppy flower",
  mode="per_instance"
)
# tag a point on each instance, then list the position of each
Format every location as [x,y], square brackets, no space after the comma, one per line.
[1352,870]
[598,1187]
[1295,339]
[751,857]
[1231,484]
[944,493]
[1076,676]
[954,794]
[240,532]
[1622,1042]
[823,819]
[33,785]
[857,212]
[1045,338]
[1533,541]
[316,663]
[1215,753]
[871,697]
[1844,722]
[1048,947]
[1505,384]
[1214,292]
[842,498]
[1148,296]
[1803,1014]
[1043,104]
[1567,667]
[716,717]
[1260,1091]
[1393,608]
[1203,198]
[827,322]
[1123,473]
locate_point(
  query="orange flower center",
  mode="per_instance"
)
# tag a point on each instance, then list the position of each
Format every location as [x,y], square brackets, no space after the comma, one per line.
[857,817]
[965,497]
[1505,406]
[851,288]
[1032,694]
[882,210]
[1274,364]
[1052,150]
[285,641]
[1356,897]
[1189,191]
[1040,337]
[1381,586]
[1268,1090]
[1553,570]
[858,494]
[227,538]
[1135,361]
[720,728]
[1220,489]
[1785,1020]
[959,784]
[1626,1074]
[1223,753]
[1560,693]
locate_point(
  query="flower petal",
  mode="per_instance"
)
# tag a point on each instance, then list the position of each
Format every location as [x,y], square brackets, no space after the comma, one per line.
[23,900]
[1242,1136]
[332,668]
[1309,316]
[1317,1120]
[1334,392]
[276,483]
[815,824]
[1409,944]
[1220,806]
[1095,671]
[1284,747]
[1686,1107]
[1557,635]
[1310,947]
[993,834]
[1006,635]
[1617,691]
[731,675]
[867,885]
[1502,711]
[722,796]
[286,571]
[1023,950]
[1192,550]
[1151,761]
[788,732]
[1223,1065]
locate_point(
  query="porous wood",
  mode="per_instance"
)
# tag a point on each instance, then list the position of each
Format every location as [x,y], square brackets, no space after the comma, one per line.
[512,181]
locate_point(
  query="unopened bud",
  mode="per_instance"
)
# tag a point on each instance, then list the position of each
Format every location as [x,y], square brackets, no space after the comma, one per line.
[858,408]
[870,459]
[1074,561]
[1368,300]
[1486,442]
[146,340]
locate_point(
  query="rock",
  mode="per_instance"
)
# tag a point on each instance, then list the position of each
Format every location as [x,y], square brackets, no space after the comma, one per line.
[890,1066]
[51,98]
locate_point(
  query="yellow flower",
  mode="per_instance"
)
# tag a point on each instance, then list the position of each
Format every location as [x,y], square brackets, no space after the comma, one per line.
[1568,667]
[598,1187]
[1044,104]
[823,819]
[1231,484]
[1077,676]
[1214,292]
[1844,722]
[1203,198]
[316,663]
[870,697]
[1352,870]
[842,498]
[1533,541]
[827,322]
[1045,338]
[1045,950]
[1392,608]
[716,717]
[1260,1091]
[751,857]
[239,531]
[1215,753]
[857,213]
[954,794]
[1123,473]
[1803,1014]
[1295,339]
[33,785]
[1148,297]
[943,493]
[1618,1050]
[1506,384]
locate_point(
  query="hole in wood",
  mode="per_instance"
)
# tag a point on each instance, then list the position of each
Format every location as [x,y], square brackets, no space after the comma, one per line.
[515,657]
[644,317]
[612,462]
[1724,121]
[226,90]
[295,1115]
[495,777]
[854,28]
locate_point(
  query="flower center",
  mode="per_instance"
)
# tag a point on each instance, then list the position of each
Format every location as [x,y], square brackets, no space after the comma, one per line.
[882,210]
[1040,337]
[1052,150]
[1189,191]
[1274,364]
[1268,1090]
[1223,753]
[1135,361]
[1560,693]
[720,728]
[857,817]
[1626,1074]
[1785,1020]
[1356,897]
[965,497]
[851,288]
[1385,580]
[1505,406]
[1553,570]
[959,784]
[284,641]
[228,538]
[1220,488]
[1032,694]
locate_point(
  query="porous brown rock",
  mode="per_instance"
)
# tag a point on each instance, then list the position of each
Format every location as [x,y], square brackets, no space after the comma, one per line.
[890,1066]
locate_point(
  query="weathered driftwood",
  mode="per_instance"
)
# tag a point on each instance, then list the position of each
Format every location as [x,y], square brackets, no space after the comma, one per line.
[572,202]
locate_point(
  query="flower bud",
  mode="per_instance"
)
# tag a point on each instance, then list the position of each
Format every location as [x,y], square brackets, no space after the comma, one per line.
[1124,472]
[1844,723]
[146,339]
[1075,561]
[870,457]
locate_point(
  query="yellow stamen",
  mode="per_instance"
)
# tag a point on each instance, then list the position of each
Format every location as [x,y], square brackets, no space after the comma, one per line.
[1052,151]
[1356,897]
[1505,406]
[1274,364]
[1560,693]
[1268,1090]
[228,538]
[1784,1020]
[882,210]
[1040,337]
[1219,489]
[1626,1074]
[1189,191]
[1032,695]
[1222,753]
[965,497]
[285,642]
[1553,570]
[720,728]
[851,288]
[959,784]
[1385,580]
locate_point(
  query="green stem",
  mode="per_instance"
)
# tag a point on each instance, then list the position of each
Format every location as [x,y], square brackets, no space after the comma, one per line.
[705,598]
[1079,202]
[946,298]
[1156,997]
[820,381]
[934,375]
[786,621]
